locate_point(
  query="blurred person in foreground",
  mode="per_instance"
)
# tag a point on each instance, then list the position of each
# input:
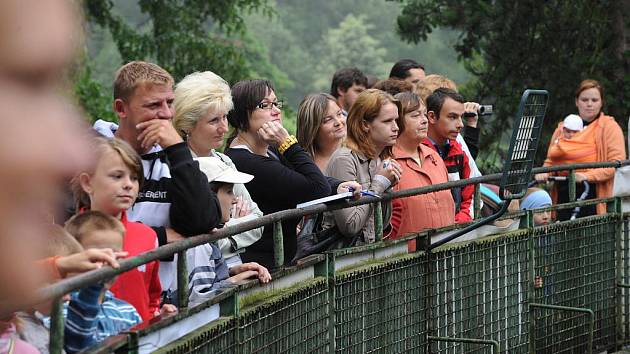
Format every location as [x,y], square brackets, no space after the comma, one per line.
[42,143]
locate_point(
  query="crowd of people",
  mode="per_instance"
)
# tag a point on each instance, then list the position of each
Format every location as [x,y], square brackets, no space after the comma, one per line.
[192,157]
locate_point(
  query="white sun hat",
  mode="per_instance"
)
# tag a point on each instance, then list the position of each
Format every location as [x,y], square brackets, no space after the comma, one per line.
[217,171]
[573,122]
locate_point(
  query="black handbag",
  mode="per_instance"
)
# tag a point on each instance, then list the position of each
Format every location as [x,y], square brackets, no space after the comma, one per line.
[313,239]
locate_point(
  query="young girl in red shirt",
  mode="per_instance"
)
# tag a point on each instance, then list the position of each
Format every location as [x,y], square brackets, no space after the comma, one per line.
[112,187]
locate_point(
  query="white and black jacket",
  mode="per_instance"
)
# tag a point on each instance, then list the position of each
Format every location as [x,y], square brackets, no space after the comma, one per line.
[175,192]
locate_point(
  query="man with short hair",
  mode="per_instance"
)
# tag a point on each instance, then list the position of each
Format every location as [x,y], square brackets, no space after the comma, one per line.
[175,193]
[346,86]
[445,109]
[408,70]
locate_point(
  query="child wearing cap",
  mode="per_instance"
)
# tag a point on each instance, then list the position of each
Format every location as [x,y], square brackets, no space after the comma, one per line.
[571,125]
[208,270]
[536,198]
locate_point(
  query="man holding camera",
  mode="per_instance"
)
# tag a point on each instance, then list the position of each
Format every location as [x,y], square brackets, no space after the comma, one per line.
[445,110]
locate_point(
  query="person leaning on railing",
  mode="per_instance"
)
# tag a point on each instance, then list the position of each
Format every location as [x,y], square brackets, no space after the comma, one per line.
[600,140]
[421,167]
[202,101]
[321,127]
[366,158]
[33,323]
[284,174]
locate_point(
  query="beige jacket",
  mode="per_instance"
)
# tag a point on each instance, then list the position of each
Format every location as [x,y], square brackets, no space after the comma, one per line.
[348,165]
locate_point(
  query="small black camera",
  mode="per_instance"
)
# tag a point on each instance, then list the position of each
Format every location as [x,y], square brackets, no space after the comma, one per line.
[484,110]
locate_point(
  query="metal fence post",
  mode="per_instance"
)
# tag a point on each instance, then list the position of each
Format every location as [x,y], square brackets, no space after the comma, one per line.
[572,185]
[278,244]
[429,289]
[477,201]
[55,344]
[532,277]
[182,280]
[378,222]
[615,207]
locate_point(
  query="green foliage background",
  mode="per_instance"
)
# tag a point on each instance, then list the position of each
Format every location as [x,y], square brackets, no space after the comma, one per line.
[512,45]
[296,44]
[493,49]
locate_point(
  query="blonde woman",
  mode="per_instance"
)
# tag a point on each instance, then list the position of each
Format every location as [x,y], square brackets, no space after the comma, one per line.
[202,101]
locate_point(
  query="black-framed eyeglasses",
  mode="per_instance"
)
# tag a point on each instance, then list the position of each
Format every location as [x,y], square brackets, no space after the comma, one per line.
[269,105]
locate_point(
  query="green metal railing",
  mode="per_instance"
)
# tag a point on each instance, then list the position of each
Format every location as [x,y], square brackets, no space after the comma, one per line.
[474,296]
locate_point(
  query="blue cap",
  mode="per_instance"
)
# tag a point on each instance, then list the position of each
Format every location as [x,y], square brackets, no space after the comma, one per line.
[535,200]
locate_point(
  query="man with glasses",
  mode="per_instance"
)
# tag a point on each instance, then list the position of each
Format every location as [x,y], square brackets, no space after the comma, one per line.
[175,198]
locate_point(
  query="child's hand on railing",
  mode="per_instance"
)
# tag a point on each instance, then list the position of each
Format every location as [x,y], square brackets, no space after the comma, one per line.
[166,310]
[249,270]
[88,260]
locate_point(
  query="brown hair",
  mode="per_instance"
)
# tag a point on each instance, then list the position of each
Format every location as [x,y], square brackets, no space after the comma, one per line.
[101,145]
[589,84]
[132,74]
[433,82]
[393,86]
[365,109]
[246,95]
[311,113]
[80,225]
[409,102]
[60,243]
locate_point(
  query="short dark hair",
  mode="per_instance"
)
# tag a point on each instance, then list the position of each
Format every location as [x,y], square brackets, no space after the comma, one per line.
[344,79]
[216,185]
[393,86]
[436,99]
[400,70]
[246,95]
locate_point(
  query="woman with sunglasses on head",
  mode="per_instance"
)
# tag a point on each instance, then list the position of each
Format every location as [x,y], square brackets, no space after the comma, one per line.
[321,127]
[285,175]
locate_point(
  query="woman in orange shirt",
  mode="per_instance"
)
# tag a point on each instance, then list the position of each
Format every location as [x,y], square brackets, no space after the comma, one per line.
[601,140]
[421,167]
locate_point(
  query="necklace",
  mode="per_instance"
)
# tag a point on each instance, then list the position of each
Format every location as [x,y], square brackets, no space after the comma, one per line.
[241,140]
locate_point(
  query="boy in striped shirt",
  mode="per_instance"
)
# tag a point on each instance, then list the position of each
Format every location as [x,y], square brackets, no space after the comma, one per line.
[93,313]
